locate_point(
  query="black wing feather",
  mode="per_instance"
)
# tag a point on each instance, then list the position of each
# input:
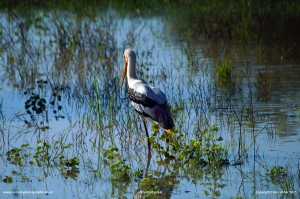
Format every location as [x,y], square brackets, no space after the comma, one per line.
[140,98]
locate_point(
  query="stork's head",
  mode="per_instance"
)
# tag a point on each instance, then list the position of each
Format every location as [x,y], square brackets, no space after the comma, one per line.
[129,56]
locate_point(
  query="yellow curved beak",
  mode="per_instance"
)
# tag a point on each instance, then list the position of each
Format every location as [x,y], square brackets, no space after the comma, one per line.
[124,72]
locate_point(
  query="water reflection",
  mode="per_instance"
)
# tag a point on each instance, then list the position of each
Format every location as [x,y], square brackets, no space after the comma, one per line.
[224,69]
[157,185]
[164,182]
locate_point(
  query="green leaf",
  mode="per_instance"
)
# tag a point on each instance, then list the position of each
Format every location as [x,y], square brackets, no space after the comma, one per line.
[24,145]
[8,179]
[151,139]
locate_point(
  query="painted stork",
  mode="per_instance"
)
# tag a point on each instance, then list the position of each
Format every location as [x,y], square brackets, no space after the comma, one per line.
[149,102]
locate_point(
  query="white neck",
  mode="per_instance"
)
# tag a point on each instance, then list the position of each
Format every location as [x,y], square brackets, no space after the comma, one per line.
[131,73]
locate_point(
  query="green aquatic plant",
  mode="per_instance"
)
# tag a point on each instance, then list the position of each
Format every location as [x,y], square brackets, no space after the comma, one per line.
[200,159]
[44,155]
[278,174]
[37,105]
[208,150]
[120,171]
[225,74]
[266,83]
[282,178]
[79,51]
[17,155]
[7,179]
[156,187]
[22,175]
[171,145]
[68,167]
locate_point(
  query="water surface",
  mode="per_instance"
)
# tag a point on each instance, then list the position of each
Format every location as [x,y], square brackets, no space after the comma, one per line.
[78,57]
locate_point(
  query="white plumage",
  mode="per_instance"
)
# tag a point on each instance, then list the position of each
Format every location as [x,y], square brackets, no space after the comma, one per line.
[153,93]
[149,102]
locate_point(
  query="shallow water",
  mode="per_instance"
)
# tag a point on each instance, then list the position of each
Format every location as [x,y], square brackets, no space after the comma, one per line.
[257,112]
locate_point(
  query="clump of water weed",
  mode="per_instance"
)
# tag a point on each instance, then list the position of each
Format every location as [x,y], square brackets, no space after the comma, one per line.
[120,171]
[37,105]
[277,174]
[45,155]
[207,150]
[224,74]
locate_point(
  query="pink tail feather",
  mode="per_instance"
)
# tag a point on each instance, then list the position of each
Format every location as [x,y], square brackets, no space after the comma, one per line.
[165,118]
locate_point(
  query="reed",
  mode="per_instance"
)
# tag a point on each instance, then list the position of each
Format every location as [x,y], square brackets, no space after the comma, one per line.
[75,123]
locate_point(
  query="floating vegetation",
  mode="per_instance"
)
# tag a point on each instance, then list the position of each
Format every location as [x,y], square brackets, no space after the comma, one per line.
[69,168]
[119,169]
[229,70]
[278,174]
[8,179]
[13,156]
[225,75]
[46,156]
[38,107]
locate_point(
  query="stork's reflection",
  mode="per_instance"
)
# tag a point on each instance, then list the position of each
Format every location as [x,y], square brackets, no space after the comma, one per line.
[160,185]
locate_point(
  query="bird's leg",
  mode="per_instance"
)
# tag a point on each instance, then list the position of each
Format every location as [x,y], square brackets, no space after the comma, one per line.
[147,135]
[167,140]
[167,143]
[148,164]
